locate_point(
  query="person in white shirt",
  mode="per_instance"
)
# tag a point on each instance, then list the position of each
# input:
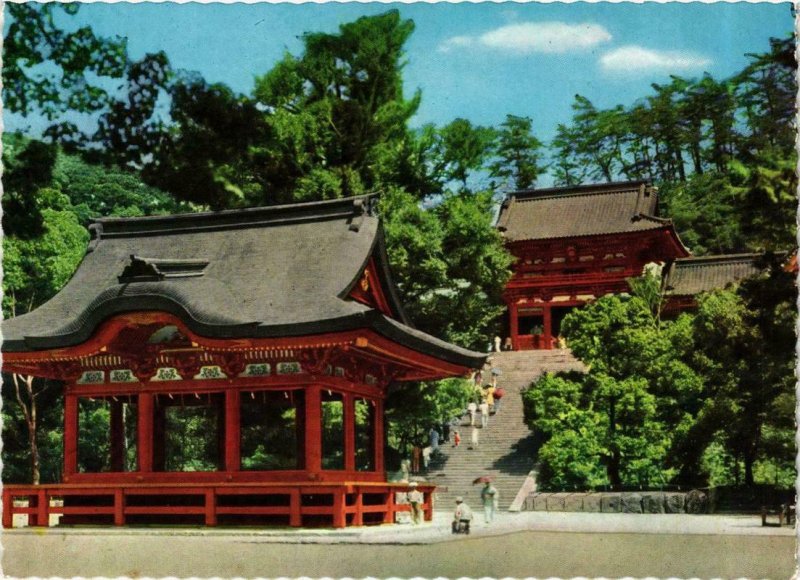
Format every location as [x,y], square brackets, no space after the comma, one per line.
[461,517]
[484,414]
[474,438]
[426,457]
[472,408]
[415,500]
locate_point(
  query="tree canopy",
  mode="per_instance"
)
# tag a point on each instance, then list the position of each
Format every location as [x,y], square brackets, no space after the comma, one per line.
[673,401]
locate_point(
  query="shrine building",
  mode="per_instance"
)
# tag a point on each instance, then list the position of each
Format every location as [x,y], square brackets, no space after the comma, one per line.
[274,332]
[575,244]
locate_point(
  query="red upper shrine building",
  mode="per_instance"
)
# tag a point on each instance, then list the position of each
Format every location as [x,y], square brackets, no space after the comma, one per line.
[243,359]
[575,244]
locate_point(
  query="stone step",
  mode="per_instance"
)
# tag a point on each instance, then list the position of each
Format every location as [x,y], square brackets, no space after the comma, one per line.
[505,444]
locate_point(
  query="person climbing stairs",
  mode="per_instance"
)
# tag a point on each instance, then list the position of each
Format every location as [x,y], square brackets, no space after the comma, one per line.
[505,451]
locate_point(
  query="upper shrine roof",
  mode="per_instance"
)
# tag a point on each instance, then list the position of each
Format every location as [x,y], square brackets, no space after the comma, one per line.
[281,271]
[587,210]
[691,276]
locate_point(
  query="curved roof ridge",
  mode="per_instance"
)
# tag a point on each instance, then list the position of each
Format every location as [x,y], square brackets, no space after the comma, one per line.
[517,199]
[264,216]
[653,218]
[721,258]
[587,189]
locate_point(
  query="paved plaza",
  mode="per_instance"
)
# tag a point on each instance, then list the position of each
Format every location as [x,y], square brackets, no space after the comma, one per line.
[515,545]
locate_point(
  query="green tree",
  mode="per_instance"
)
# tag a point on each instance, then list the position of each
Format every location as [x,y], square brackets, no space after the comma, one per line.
[34,269]
[568,169]
[28,169]
[449,264]
[466,311]
[518,153]
[131,127]
[765,92]
[573,432]
[767,192]
[51,70]
[99,191]
[32,429]
[464,149]
[328,123]
[706,209]
[744,339]
[212,148]
[414,408]
[635,406]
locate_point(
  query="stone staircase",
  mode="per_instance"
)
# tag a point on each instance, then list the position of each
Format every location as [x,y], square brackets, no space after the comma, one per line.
[506,447]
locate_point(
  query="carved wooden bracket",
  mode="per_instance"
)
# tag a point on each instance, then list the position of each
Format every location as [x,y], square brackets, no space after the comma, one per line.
[143,369]
[187,364]
[232,364]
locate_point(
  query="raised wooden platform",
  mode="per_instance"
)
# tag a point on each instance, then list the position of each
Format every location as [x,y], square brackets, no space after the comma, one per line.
[297,505]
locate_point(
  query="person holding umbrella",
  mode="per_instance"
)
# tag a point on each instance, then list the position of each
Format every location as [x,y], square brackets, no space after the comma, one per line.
[490,497]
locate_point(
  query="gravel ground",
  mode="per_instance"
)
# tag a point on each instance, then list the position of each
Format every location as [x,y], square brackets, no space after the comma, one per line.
[515,545]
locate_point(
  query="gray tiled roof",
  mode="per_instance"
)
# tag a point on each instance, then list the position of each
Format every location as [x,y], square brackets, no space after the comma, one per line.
[691,276]
[263,272]
[580,211]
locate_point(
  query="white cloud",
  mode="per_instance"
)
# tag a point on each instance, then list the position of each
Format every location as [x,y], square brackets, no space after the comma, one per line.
[527,37]
[545,37]
[637,58]
[456,42]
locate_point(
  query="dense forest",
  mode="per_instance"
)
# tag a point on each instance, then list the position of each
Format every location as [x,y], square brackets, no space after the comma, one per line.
[336,120]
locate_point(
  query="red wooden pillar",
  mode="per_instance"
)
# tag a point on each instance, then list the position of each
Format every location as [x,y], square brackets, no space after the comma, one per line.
[70,435]
[427,512]
[42,517]
[349,432]
[548,327]
[388,515]
[358,515]
[339,517]
[211,507]
[299,401]
[313,430]
[295,515]
[513,324]
[232,429]
[117,437]
[379,436]
[8,502]
[119,507]
[145,432]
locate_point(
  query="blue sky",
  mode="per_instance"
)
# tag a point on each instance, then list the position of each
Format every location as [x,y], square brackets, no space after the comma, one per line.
[479,61]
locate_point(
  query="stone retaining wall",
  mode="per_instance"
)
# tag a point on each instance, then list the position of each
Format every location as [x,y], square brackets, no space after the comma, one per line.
[650,502]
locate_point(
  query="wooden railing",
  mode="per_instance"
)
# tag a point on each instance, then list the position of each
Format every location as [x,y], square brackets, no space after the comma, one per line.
[297,505]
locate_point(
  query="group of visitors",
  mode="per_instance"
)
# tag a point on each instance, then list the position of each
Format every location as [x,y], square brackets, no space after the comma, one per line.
[507,344]
[462,516]
[486,401]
